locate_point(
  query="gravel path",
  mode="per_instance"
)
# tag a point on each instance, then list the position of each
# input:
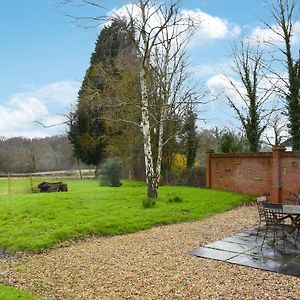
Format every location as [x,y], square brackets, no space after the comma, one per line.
[152,264]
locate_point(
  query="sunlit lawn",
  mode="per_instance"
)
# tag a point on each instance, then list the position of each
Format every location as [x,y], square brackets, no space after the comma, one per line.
[11,293]
[31,221]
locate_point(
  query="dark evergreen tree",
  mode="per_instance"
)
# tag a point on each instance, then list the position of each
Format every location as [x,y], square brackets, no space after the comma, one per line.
[191,140]
[87,135]
[230,142]
[89,130]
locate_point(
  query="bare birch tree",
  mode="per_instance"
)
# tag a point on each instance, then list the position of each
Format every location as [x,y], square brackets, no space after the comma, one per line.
[161,36]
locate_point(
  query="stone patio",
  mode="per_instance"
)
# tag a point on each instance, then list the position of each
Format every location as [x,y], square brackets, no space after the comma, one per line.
[243,249]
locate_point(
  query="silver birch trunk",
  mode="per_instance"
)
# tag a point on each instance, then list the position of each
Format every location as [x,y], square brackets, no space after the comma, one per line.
[161,48]
[160,145]
[163,115]
[149,167]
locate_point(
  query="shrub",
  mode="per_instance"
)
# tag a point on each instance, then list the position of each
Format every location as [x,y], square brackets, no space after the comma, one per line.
[112,172]
[149,202]
[178,163]
[195,176]
[175,199]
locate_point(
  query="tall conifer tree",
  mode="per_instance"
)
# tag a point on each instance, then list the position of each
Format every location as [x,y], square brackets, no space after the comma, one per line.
[89,130]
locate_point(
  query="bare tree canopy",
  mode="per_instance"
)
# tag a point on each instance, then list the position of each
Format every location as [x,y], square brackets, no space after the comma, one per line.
[253,91]
[284,14]
[160,35]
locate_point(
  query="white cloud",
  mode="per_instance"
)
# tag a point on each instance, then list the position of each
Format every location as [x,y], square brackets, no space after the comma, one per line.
[212,27]
[206,70]
[228,86]
[265,35]
[219,86]
[61,92]
[220,83]
[19,114]
[203,70]
[296,38]
[269,35]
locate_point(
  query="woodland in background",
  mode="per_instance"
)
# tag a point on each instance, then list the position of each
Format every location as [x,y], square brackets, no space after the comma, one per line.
[24,155]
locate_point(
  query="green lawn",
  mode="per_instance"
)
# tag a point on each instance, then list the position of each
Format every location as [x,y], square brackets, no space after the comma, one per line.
[30,222]
[11,293]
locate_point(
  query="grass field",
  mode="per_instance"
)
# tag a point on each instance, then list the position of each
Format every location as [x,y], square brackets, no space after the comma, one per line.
[32,221]
[11,293]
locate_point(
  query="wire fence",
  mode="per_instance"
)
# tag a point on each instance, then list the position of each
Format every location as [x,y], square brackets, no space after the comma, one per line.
[17,183]
[86,173]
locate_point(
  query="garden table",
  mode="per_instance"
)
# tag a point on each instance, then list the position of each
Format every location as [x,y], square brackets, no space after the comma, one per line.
[292,212]
[275,214]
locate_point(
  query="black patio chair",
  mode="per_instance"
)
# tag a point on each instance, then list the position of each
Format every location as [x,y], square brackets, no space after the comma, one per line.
[274,220]
[297,235]
[261,215]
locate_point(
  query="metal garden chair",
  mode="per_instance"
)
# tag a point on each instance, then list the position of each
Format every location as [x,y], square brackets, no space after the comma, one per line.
[274,220]
[261,214]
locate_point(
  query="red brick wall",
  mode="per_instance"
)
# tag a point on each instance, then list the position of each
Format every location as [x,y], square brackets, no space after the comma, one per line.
[275,173]
[290,173]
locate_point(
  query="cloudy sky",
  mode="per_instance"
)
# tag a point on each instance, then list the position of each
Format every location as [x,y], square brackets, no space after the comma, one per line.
[44,56]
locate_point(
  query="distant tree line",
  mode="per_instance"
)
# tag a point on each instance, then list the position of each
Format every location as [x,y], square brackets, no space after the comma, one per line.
[24,155]
[184,161]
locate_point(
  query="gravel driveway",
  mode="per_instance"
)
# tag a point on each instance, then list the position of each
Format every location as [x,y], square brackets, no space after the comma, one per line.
[151,264]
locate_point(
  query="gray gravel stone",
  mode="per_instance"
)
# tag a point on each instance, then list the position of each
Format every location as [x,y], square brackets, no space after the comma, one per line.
[152,264]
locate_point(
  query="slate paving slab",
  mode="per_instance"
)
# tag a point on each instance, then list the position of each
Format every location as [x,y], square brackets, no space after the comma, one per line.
[290,269]
[271,253]
[213,253]
[245,249]
[244,240]
[232,247]
[257,262]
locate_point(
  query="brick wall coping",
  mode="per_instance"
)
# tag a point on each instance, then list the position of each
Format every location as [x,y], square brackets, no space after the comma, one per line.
[243,155]
[292,154]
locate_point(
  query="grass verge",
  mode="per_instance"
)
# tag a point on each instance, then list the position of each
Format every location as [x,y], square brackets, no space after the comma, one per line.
[30,222]
[11,293]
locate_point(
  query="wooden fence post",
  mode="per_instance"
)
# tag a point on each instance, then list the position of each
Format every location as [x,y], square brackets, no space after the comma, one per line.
[9,187]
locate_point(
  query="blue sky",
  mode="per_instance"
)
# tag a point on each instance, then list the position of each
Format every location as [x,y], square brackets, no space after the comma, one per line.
[44,56]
